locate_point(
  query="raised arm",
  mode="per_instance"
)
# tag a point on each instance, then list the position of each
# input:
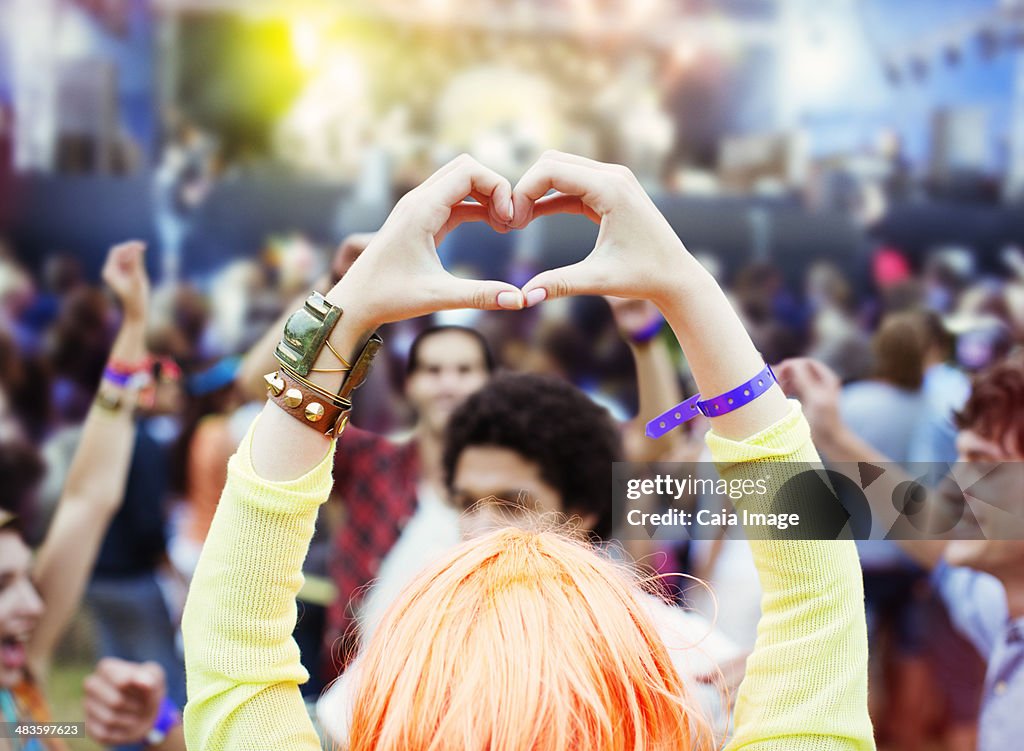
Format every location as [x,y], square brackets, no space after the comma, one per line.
[638,322]
[242,663]
[818,389]
[96,480]
[806,683]
[638,255]
[260,359]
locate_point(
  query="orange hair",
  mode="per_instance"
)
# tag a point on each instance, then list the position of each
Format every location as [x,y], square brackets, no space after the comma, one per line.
[522,640]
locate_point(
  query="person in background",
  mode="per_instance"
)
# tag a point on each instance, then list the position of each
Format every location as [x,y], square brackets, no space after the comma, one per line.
[958,671]
[981,581]
[534,445]
[133,619]
[835,334]
[39,594]
[884,412]
[944,391]
[199,459]
[131,592]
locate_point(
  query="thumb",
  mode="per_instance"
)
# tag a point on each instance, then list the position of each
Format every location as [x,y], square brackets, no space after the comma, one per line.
[482,295]
[565,281]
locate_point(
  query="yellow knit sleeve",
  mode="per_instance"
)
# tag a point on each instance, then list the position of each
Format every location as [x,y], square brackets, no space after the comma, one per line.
[241,662]
[806,680]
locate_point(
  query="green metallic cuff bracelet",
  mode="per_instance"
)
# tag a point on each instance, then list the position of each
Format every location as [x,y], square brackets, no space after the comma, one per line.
[306,332]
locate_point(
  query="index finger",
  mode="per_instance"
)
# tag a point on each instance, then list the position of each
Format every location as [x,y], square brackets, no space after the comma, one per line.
[467,177]
[571,179]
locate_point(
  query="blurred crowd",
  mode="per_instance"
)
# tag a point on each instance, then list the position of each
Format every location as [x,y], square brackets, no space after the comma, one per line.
[904,344]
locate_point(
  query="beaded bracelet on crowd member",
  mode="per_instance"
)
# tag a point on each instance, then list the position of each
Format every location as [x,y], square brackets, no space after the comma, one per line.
[130,380]
[715,407]
[122,372]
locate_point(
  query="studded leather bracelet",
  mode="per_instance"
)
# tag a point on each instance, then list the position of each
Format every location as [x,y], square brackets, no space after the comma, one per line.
[305,334]
[298,397]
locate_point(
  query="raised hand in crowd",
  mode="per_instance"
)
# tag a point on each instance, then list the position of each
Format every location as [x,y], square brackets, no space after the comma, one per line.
[125,273]
[636,320]
[639,323]
[818,388]
[96,479]
[123,702]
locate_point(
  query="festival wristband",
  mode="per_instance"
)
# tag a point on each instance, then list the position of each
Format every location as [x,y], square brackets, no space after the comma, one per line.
[715,407]
[649,331]
[167,719]
[138,379]
[117,377]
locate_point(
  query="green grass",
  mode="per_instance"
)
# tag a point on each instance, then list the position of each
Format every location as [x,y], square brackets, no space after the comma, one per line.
[72,663]
[65,694]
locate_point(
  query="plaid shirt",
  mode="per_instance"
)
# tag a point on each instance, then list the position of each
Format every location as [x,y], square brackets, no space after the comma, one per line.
[375,479]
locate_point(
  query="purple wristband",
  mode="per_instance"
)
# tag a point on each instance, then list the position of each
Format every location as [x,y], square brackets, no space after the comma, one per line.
[649,331]
[168,717]
[116,377]
[719,405]
[666,421]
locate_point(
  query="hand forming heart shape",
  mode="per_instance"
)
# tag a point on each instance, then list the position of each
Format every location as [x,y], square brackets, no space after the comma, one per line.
[399,275]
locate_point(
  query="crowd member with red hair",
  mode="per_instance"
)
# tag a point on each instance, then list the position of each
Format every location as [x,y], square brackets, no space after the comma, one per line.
[518,639]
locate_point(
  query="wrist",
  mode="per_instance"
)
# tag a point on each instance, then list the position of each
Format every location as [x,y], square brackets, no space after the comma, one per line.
[324,355]
[685,287]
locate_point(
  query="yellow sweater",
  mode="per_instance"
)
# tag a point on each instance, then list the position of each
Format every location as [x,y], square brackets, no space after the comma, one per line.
[806,680]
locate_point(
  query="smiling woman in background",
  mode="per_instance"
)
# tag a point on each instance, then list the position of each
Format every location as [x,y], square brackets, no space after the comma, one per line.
[40,593]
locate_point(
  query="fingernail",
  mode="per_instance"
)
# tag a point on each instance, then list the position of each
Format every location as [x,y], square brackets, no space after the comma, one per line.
[510,211]
[535,296]
[510,300]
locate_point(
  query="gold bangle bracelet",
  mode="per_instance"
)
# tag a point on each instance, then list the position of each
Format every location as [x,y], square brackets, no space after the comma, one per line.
[318,390]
